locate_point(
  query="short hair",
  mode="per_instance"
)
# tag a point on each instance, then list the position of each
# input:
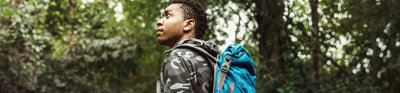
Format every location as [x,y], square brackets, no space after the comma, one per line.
[193,10]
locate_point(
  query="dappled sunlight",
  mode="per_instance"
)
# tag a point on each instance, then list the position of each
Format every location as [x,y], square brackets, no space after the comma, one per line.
[98,46]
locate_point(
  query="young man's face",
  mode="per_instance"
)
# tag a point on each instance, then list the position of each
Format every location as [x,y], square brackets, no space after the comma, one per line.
[170,27]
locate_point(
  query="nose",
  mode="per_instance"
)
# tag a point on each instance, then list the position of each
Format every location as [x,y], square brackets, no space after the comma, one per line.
[160,22]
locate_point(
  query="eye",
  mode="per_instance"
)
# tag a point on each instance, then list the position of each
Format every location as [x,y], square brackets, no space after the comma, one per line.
[167,15]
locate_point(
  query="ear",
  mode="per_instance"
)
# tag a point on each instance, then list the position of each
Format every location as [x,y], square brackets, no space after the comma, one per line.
[189,25]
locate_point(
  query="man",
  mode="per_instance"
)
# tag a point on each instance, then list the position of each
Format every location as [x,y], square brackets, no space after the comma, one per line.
[185,70]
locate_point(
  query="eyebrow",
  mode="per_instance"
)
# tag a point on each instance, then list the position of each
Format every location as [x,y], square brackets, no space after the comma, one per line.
[166,11]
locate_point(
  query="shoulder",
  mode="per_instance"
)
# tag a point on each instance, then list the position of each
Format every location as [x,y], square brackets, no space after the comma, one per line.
[177,63]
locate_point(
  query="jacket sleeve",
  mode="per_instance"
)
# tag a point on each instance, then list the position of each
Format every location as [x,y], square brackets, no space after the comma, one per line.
[176,75]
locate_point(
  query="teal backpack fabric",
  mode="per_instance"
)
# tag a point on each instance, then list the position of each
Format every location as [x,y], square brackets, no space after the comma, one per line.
[234,72]
[233,69]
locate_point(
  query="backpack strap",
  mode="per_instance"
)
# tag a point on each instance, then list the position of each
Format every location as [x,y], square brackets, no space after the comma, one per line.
[224,70]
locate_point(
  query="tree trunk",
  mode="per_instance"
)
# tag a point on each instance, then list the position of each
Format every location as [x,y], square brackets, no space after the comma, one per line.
[269,16]
[316,59]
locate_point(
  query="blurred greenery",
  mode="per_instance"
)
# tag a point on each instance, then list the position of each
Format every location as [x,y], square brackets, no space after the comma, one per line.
[110,45]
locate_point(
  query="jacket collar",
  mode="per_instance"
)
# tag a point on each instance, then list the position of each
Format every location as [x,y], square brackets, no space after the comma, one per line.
[211,47]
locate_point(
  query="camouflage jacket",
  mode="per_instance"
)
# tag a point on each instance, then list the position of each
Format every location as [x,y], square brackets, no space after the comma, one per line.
[187,71]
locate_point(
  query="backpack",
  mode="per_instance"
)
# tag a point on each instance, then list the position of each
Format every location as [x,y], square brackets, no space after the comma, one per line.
[233,70]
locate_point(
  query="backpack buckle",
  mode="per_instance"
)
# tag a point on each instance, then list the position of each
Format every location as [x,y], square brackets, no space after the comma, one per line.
[226,64]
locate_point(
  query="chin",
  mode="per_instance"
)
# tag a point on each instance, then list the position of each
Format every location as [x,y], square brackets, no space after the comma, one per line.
[161,42]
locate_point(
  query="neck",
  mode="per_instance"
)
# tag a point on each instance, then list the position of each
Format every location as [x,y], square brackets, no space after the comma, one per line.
[186,36]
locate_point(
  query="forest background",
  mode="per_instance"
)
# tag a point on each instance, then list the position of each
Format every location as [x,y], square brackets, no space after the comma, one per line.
[110,45]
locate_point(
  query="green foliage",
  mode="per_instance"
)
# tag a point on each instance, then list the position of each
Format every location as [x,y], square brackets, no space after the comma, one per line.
[352,42]
[63,45]
[110,45]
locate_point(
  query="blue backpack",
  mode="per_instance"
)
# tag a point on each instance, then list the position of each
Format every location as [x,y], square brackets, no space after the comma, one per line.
[233,70]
